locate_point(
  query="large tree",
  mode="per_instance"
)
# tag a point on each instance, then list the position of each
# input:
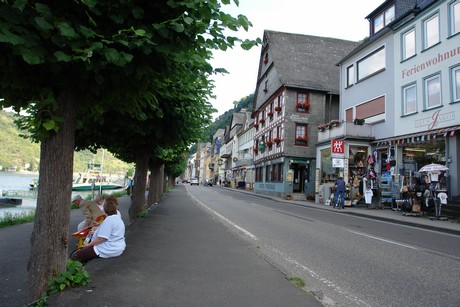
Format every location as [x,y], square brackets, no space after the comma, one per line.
[67,60]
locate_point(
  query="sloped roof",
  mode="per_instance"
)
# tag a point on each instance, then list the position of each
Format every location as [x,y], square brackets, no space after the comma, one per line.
[306,61]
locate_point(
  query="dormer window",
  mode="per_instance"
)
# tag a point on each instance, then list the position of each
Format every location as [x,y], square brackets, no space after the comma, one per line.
[382,20]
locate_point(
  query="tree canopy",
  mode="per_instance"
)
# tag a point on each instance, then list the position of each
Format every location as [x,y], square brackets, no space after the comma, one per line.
[127,75]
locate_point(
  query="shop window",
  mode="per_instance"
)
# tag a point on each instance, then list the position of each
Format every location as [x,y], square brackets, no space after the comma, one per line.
[431,31]
[408,44]
[409,99]
[303,103]
[456,84]
[371,64]
[301,134]
[432,92]
[454,10]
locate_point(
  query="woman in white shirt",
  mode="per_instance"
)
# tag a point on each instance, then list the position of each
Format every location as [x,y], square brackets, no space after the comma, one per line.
[109,238]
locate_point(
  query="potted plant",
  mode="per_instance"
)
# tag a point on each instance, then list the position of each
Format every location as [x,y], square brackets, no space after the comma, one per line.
[262,120]
[278,109]
[359,121]
[256,125]
[270,114]
[255,150]
[334,123]
[277,140]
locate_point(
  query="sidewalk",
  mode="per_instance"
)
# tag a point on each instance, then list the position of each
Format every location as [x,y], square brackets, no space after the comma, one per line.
[180,256]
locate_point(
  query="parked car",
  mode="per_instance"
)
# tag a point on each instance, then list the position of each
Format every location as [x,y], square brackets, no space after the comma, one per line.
[194,181]
[208,182]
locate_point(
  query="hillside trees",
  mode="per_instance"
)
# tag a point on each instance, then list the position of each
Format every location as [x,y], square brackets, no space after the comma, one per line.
[67,61]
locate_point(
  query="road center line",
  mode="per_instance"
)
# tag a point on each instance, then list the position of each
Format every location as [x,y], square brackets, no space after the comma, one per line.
[381,239]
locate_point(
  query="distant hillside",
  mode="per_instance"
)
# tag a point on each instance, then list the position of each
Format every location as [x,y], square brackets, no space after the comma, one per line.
[22,154]
[225,119]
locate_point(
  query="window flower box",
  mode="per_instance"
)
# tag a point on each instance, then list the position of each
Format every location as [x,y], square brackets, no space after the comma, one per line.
[270,114]
[269,143]
[262,120]
[255,150]
[277,140]
[256,125]
[278,109]
[303,106]
[322,127]
[302,139]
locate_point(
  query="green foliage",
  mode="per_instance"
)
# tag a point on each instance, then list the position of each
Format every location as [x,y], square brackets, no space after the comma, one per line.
[75,275]
[297,281]
[144,214]
[10,219]
[225,119]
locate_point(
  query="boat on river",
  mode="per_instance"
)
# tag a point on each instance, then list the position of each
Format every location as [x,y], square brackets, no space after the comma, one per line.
[93,179]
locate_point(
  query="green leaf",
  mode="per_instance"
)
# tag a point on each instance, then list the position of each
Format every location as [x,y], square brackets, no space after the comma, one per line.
[90,3]
[49,125]
[43,24]
[62,287]
[62,57]
[178,27]
[137,12]
[20,4]
[7,37]
[31,57]
[188,20]
[66,30]
[43,10]
[140,32]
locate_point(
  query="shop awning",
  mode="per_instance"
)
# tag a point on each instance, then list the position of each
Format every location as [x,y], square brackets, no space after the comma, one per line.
[418,137]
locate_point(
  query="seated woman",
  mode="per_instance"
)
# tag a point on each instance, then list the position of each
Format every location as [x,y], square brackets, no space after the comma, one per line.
[108,240]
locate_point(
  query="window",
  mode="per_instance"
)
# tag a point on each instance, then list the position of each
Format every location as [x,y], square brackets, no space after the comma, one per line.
[382,20]
[454,17]
[456,84]
[267,174]
[371,64]
[432,92]
[301,134]
[409,99]
[303,103]
[431,31]
[350,75]
[266,86]
[408,44]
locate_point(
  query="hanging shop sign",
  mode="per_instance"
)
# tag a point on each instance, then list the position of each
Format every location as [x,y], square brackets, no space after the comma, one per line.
[290,175]
[338,148]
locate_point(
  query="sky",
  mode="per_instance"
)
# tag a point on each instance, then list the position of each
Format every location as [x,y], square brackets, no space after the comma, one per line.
[332,18]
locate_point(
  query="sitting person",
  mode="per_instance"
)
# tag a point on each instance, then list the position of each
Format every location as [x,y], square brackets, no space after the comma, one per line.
[115,201]
[108,239]
[100,201]
[89,209]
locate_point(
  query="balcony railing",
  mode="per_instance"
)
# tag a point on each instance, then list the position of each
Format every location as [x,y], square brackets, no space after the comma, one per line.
[346,129]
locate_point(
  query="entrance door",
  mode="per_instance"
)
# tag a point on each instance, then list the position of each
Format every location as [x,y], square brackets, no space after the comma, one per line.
[299,178]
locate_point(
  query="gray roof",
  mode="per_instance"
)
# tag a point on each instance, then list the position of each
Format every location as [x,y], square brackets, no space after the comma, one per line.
[306,61]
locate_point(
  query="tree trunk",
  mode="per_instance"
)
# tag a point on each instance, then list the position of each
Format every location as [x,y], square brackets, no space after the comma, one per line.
[155,170]
[161,180]
[140,176]
[49,238]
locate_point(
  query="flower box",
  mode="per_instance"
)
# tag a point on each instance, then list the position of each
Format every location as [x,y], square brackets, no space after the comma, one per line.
[269,143]
[278,109]
[302,139]
[359,121]
[277,140]
[270,114]
[262,120]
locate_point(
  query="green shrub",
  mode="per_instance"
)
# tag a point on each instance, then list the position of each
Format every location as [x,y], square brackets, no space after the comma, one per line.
[10,219]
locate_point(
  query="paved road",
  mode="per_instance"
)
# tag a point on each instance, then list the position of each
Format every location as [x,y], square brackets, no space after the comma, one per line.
[350,260]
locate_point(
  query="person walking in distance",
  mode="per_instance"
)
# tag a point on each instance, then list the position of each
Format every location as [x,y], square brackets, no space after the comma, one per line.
[340,191]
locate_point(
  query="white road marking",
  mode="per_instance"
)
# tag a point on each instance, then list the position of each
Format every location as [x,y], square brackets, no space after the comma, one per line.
[244,231]
[381,239]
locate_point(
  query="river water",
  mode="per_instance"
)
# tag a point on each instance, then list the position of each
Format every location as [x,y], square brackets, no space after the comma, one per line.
[21,181]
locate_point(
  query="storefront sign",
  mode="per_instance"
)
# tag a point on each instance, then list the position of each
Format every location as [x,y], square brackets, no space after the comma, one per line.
[299,161]
[338,147]
[290,175]
[338,163]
